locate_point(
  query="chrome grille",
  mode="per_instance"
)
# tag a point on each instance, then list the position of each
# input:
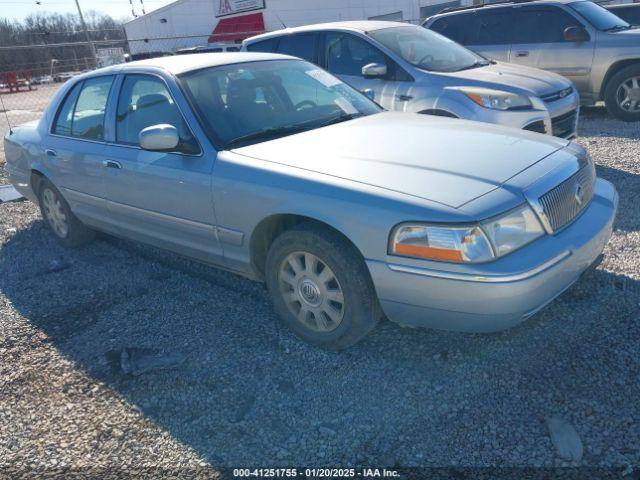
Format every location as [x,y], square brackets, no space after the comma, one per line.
[564,203]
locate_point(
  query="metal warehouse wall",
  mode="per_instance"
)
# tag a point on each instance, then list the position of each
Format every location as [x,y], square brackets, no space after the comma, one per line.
[189,22]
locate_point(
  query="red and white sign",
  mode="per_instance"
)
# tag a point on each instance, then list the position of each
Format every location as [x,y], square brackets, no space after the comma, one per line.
[229,7]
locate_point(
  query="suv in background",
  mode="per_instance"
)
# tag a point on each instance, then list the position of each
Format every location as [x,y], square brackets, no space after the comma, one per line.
[629,12]
[406,68]
[584,42]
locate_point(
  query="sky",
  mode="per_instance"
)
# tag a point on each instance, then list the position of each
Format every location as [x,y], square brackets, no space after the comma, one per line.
[118,9]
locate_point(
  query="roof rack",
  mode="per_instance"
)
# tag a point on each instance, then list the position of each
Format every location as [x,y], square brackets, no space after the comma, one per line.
[483,4]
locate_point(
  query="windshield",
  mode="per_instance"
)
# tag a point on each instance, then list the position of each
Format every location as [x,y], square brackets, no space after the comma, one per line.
[599,17]
[245,103]
[427,50]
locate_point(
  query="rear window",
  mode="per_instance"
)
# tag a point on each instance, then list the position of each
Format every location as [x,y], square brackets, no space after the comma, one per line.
[457,27]
[266,46]
[64,118]
[302,46]
[82,112]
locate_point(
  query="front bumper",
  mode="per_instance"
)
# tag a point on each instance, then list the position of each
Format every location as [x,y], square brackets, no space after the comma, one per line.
[503,293]
[559,117]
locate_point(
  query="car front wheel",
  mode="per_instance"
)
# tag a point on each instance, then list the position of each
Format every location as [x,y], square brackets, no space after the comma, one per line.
[622,94]
[57,215]
[320,287]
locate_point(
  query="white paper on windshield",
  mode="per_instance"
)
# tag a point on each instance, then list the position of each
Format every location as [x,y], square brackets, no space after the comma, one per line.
[345,106]
[323,77]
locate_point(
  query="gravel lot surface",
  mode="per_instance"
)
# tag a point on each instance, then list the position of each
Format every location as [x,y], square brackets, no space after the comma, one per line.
[241,391]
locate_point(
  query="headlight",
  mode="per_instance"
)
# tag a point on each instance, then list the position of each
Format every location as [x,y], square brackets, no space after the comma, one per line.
[513,230]
[449,244]
[491,239]
[496,99]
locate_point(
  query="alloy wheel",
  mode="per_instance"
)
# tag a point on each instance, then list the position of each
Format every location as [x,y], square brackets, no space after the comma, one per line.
[628,95]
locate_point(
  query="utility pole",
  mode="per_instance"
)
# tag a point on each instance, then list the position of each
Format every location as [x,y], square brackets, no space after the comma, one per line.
[86,33]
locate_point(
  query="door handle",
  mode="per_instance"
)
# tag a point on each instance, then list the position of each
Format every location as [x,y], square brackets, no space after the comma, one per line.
[522,54]
[112,164]
[404,98]
[50,152]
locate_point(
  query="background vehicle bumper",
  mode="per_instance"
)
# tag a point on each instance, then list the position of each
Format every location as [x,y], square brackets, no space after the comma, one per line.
[499,294]
[558,118]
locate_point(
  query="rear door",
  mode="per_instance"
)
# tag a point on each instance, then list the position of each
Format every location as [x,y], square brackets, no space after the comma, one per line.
[344,54]
[538,41]
[75,148]
[492,33]
[162,198]
[486,32]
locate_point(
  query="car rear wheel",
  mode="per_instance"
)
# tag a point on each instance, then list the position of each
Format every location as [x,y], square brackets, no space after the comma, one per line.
[57,215]
[622,94]
[320,287]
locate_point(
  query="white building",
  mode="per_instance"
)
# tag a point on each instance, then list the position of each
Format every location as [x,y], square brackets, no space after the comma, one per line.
[188,23]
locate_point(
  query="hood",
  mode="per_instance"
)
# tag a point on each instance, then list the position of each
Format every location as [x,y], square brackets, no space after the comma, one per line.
[513,78]
[443,160]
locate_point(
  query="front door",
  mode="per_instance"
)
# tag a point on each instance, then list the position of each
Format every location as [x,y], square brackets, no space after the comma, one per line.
[162,198]
[344,56]
[538,41]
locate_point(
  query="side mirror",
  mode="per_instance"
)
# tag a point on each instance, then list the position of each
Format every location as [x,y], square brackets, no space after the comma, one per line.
[159,138]
[374,70]
[576,34]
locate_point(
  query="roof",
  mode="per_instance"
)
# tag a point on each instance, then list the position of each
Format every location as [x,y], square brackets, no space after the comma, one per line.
[357,25]
[500,3]
[178,64]
[157,10]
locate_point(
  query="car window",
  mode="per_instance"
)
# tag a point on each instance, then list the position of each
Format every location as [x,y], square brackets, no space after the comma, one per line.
[64,118]
[267,46]
[88,115]
[461,28]
[599,17]
[245,103]
[494,28]
[145,101]
[302,45]
[346,54]
[541,25]
[426,49]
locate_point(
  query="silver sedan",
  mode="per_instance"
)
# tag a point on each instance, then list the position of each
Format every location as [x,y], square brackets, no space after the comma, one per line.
[270,167]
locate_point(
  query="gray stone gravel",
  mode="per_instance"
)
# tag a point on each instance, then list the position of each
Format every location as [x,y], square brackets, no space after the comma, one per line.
[248,393]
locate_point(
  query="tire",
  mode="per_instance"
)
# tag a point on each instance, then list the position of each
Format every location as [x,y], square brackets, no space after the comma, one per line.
[58,217]
[338,306]
[614,93]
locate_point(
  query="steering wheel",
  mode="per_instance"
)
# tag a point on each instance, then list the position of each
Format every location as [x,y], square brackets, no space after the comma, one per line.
[427,57]
[305,103]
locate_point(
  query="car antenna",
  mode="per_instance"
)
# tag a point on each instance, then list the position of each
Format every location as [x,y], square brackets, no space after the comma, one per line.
[280,20]
[6,115]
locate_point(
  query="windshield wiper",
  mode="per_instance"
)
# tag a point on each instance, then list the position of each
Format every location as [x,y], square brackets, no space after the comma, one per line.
[475,65]
[276,132]
[339,119]
[616,28]
[269,133]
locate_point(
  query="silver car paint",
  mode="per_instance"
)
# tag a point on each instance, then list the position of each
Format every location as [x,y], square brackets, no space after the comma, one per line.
[587,64]
[437,91]
[361,178]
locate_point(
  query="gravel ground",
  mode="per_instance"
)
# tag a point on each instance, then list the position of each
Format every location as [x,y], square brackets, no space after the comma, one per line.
[244,392]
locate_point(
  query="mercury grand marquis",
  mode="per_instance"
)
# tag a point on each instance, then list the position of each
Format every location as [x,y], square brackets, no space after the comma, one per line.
[270,167]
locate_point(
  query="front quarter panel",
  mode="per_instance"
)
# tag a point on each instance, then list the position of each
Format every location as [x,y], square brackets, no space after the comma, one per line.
[248,190]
